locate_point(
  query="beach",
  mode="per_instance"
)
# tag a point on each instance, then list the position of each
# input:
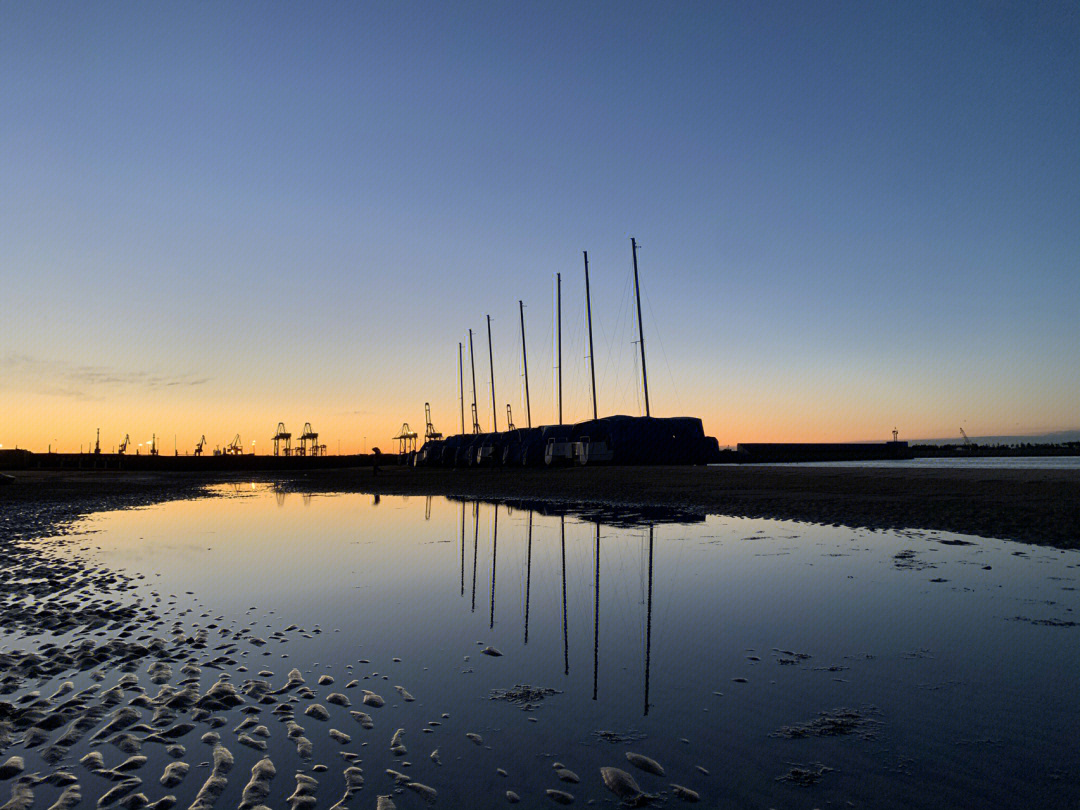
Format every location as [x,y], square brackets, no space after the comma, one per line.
[525,638]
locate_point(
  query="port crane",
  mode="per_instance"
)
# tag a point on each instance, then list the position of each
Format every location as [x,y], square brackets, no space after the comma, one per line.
[199,447]
[153,445]
[97,443]
[406,439]
[124,445]
[235,448]
[964,436]
[311,436]
[282,435]
[430,434]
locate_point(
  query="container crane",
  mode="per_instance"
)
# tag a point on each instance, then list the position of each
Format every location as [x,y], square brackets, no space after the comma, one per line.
[406,439]
[282,435]
[430,434]
[311,436]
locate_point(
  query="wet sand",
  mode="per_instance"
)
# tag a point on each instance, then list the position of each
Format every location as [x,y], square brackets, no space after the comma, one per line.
[1032,506]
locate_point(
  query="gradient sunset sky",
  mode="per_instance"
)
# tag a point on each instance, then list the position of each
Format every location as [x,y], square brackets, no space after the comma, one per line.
[853,216]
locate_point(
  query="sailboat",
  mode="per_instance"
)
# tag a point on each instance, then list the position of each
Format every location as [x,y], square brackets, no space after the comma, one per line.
[617,439]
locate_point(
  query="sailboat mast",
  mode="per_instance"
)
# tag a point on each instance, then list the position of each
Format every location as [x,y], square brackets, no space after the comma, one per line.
[558,321]
[641,331]
[588,310]
[461,387]
[472,364]
[525,364]
[491,365]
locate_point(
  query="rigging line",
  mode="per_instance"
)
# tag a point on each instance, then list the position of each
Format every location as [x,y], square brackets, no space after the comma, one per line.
[610,340]
[663,352]
[637,389]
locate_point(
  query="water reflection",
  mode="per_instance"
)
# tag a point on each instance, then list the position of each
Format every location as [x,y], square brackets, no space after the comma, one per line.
[758,626]
[648,624]
[596,617]
[494,553]
[565,640]
[475,549]
[463,548]
[528,575]
[630,516]
[646,575]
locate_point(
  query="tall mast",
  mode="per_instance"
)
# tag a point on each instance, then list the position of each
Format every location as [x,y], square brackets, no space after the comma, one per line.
[641,331]
[491,365]
[472,364]
[558,317]
[461,387]
[588,309]
[525,364]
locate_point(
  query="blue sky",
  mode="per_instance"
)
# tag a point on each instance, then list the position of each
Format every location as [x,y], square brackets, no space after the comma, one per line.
[853,215]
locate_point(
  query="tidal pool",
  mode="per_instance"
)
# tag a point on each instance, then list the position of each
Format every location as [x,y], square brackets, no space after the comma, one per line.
[761,663]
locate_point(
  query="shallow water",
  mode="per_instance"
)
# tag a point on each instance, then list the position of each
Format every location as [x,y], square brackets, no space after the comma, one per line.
[957,690]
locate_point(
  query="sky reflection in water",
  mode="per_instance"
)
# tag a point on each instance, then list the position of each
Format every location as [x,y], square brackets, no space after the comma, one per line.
[965,698]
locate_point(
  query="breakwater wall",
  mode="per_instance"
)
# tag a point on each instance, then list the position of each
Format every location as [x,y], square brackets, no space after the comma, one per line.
[851,451]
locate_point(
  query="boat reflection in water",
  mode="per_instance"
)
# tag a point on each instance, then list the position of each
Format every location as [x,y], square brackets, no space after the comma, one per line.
[616,518]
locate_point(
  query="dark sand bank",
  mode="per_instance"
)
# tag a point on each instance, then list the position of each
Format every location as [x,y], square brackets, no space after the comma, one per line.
[35,503]
[1033,506]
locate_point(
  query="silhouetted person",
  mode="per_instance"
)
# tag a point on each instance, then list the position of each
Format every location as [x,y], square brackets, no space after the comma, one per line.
[375,463]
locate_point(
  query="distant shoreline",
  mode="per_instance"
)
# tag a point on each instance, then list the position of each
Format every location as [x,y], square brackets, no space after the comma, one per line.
[1033,506]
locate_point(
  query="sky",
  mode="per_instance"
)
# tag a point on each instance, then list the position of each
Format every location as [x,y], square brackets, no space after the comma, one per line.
[853,216]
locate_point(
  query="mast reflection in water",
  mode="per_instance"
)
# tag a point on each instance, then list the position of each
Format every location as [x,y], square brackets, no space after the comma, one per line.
[597,542]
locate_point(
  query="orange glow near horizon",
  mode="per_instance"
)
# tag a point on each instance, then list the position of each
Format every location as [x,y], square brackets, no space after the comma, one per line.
[40,422]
